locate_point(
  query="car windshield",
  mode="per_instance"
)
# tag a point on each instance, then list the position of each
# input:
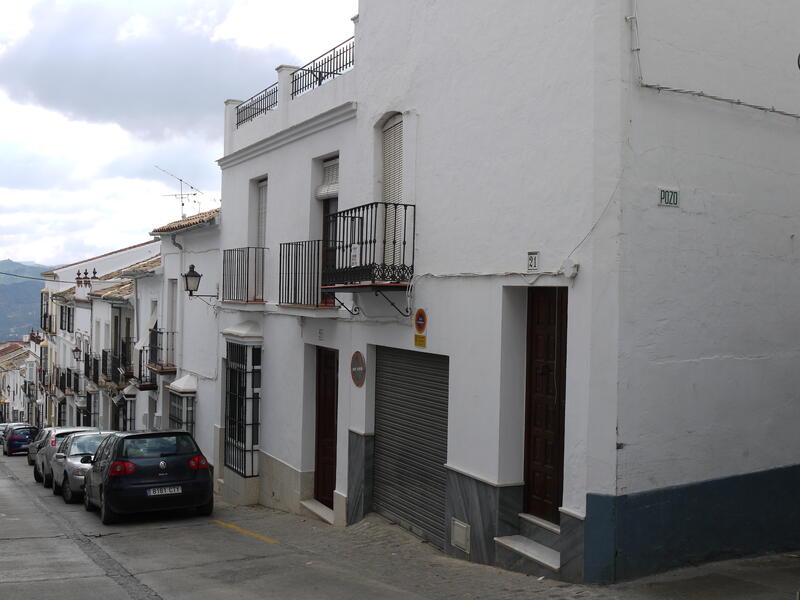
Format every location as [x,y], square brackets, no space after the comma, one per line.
[158,446]
[85,444]
[23,431]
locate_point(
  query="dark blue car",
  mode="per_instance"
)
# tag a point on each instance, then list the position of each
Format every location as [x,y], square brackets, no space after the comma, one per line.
[19,438]
[147,471]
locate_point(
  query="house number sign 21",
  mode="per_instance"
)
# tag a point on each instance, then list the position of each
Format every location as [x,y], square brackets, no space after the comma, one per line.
[669,198]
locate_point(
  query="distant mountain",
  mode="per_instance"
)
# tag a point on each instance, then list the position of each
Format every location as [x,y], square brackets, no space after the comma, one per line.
[19,299]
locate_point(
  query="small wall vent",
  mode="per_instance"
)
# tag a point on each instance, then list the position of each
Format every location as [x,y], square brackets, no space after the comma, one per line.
[459,535]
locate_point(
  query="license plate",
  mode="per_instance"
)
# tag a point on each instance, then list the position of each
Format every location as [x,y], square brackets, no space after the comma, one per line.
[164,491]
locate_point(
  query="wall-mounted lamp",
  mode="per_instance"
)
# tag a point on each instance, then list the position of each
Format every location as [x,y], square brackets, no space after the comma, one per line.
[191,281]
[76,352]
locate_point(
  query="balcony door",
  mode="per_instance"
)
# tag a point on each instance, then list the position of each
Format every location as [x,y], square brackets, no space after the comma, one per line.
[328,195]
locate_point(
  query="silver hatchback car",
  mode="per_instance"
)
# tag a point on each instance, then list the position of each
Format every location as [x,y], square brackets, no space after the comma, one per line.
[42,468]
[68,466]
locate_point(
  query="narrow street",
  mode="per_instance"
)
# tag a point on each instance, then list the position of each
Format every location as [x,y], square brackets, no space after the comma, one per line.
[49,549]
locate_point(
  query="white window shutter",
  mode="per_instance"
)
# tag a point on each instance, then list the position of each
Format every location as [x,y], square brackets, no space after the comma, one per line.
[393,160]
[261,238]
[393,190]
[330,180]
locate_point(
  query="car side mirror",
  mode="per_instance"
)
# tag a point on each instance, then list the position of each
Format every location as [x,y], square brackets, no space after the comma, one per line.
[87,460]
[60,456]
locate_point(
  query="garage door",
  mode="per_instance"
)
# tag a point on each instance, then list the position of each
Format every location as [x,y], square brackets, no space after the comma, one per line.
[411,440]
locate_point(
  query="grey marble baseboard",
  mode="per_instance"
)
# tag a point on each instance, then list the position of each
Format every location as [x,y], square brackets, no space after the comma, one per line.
[490,511]
[359,476]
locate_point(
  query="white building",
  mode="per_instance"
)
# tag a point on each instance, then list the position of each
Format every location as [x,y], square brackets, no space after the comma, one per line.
[19,391]
[596,209]
[87,320]
[178,368]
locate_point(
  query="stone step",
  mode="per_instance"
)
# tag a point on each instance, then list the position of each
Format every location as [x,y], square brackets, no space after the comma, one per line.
[519,553]
[546,533]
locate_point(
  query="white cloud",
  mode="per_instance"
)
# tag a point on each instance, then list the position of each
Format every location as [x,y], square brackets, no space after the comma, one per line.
[305,27]
[15,22]
[134,28]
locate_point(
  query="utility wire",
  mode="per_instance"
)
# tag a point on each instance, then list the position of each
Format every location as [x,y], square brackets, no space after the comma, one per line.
[36,278]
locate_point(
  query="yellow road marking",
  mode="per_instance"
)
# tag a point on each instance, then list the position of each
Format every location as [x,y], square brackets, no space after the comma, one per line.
[246,531]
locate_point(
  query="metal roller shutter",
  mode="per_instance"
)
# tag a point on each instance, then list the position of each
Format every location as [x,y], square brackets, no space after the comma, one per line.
[409,484]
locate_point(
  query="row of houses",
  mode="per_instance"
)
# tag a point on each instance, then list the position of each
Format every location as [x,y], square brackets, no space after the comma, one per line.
[477,269]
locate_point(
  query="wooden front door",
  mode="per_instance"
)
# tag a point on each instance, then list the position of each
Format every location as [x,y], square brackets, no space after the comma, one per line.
[544,399]
[327,402]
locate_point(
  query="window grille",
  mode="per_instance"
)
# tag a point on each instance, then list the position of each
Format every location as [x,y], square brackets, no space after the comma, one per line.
[242,399]
[181,412]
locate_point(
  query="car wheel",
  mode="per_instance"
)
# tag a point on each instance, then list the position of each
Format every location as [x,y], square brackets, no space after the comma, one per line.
[107,516]
[206,509]
[66,491]
[56,486]
[48,479]
[37,476]
[87,504]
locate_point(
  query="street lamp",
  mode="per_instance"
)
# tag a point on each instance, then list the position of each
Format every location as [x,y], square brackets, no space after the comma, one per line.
[76,352]
[191,281]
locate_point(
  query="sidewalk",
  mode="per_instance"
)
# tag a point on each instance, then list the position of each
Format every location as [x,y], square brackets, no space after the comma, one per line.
[389,554]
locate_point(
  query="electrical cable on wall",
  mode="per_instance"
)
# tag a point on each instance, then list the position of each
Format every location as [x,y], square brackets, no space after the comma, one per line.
[633,20]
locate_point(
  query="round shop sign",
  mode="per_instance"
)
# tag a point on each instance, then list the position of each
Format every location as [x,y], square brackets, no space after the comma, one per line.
[358,369]
[420,320]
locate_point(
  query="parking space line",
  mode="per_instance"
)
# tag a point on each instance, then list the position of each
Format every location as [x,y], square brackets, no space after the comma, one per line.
[245,531]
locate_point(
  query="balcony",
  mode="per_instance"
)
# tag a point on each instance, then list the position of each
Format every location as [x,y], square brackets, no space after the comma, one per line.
[301,265]
[147,378]
[243,274]
[372,246]
[121,364]
[161,351]
[336,61]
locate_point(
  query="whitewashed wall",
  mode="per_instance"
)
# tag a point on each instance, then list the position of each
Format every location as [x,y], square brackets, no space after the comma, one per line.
[709,335]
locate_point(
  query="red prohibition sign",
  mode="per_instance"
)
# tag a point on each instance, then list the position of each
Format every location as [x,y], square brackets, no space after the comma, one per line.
[420,320]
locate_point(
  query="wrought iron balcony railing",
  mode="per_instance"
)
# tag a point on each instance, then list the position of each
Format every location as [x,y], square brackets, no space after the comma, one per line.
[146,379]
[301,265]
[370,243]
[161,350]
[95,368]
[243,274]
[121,367]
[105,362]
[257,105]
[334,62]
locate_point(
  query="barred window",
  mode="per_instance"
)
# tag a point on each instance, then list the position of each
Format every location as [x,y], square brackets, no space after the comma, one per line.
[181,412]
[242,408]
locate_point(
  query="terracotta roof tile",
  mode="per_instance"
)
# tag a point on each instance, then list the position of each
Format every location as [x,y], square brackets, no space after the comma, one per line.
[203,217]
[119,291]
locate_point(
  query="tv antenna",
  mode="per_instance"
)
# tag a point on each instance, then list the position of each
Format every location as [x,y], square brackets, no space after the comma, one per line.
[183,196]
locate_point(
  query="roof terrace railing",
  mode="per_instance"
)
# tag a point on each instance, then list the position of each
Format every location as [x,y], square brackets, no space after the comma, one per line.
[327,66]
[257,105]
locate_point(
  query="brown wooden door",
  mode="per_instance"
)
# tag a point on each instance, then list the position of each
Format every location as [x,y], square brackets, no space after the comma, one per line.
[544,398]
[327,401]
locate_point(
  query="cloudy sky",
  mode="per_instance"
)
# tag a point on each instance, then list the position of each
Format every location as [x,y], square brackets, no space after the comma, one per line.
[94,93]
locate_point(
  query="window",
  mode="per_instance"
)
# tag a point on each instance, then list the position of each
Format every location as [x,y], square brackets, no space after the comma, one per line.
[181,412]
[242,399]
[126,414]
[261,215]
[66,318]
[393,159]
[44,310]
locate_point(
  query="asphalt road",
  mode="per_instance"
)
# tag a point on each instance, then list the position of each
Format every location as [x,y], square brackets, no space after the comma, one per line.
[49,549]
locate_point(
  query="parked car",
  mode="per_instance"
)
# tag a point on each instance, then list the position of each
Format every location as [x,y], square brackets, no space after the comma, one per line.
[37,442]
[18,438]
[146,471]
[42,469]
[68,470]
[7,426]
